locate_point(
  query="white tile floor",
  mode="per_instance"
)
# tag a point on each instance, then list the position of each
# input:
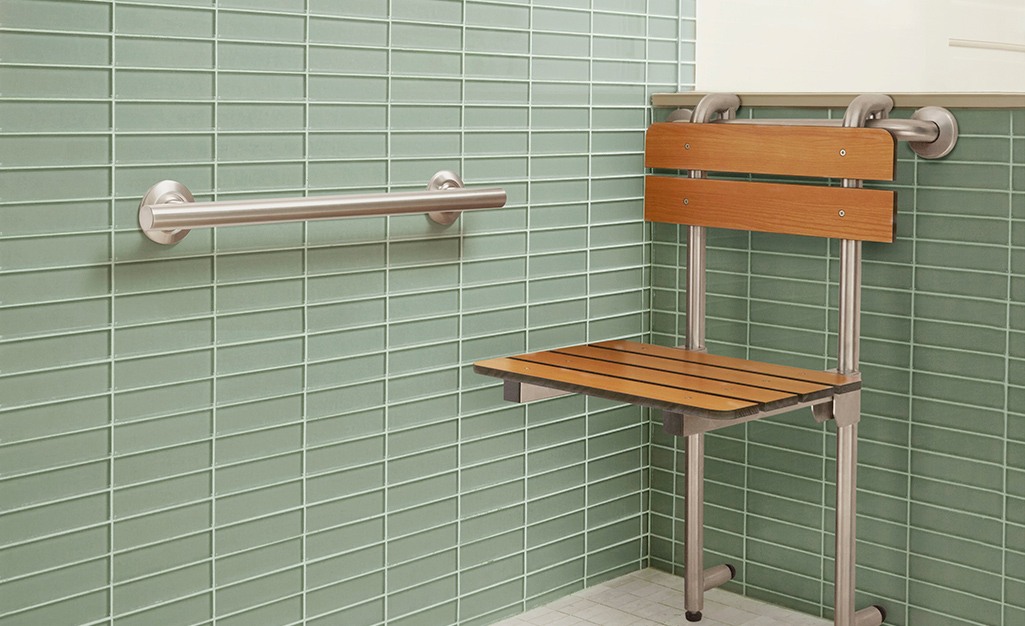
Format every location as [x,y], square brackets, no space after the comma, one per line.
[654,598]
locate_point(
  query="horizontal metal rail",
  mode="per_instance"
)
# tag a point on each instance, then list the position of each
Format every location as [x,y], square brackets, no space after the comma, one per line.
[931,131]
[168,211]
[902,130]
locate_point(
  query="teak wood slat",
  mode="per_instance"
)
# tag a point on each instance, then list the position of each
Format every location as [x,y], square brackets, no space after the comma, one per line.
[804,390]
[840,382]
[766,398]
[613,388]
[862,214]
[694,382]
[826,152]
[654,376]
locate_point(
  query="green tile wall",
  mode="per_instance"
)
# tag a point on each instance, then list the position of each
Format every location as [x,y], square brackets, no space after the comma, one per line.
[279,424]
[941,525]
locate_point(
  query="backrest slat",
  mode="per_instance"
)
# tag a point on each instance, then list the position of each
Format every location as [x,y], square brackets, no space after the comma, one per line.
[860,214]
[827,152]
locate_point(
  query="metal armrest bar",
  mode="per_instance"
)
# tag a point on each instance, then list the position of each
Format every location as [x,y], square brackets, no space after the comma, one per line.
[902,130]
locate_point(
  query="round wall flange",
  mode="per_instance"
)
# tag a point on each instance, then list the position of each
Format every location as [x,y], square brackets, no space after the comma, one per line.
[441,181]
[680,115]
[164,192]
[947,138]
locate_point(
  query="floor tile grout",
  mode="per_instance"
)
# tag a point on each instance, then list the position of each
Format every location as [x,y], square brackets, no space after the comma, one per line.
[651,597]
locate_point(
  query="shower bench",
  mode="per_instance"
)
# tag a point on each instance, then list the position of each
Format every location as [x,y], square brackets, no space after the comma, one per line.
[699,392]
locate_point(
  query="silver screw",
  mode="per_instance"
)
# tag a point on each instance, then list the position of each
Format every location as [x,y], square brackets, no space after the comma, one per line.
[686,201]
[841,213]
[843,153]
[686,146]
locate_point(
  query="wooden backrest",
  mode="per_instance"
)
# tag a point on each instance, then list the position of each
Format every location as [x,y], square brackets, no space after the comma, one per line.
[799,209]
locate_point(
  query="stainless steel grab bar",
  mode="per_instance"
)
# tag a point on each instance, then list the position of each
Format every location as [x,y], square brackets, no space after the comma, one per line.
[167,211]
[931,131]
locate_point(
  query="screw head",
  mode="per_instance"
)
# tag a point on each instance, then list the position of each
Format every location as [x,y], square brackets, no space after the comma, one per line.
[686,201]
[842,213]
[686,146]
[843,153]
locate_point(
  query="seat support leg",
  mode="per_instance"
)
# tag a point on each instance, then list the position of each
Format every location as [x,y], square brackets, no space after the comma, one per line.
[846,487]
[694,568]
[719,575]
[697,579]
[846,515]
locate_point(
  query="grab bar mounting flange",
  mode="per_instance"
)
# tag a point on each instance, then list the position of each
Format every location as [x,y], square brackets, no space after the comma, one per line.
[164,192]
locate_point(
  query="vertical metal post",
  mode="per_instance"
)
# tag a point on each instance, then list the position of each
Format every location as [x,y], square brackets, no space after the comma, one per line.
[846,504]
[696,284]
[849,326]
[847,435]
[848,340]
[694,525]
[725,105]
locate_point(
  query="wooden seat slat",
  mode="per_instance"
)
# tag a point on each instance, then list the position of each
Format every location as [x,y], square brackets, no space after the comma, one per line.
[839,382]
[644,394]
[768,399]
[672,379]
[805,390]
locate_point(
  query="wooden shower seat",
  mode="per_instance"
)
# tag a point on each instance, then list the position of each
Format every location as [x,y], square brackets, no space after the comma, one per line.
[692,382]
[672,379]
[699,392]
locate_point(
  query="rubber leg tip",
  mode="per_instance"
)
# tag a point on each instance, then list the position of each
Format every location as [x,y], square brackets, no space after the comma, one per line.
[882,611]
[733,571]
[693,617]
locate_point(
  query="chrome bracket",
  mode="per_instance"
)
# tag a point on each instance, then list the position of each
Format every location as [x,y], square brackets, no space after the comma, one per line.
[680,115]
[947,139]
[723,104]
[718,576]
[525,392]
[686,424]
[823,412]
[844,409]
[439,182]
[869,106]
[164,192]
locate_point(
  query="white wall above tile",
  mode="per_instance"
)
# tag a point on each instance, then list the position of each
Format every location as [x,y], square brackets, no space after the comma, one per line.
[861,46]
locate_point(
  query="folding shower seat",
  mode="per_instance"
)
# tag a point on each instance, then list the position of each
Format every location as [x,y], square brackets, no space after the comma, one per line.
[699,392]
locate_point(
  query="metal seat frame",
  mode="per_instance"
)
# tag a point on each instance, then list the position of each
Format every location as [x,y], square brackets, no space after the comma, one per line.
[525,380]
[844,409]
